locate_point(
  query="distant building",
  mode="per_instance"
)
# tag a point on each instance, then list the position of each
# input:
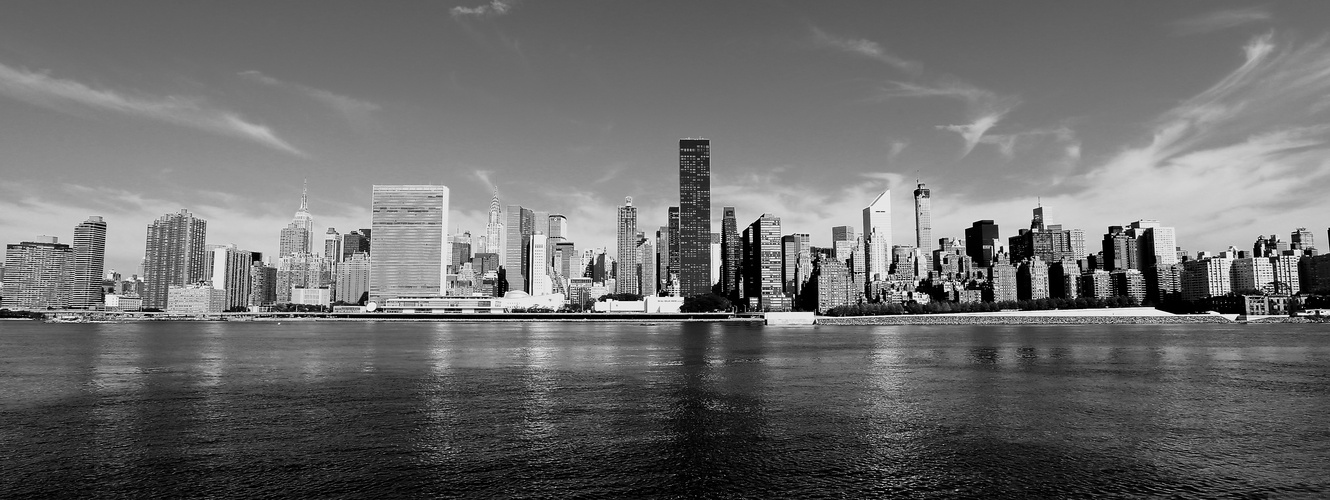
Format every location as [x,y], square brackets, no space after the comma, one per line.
[1002,282]
[923,220]
[627,248]
[263,284]
[1314,274]
[834,284]
[332,245]
[1064,278]
[311,296]
[762,265]
[1097,283]
[231,268]
[353,277]
[694,217]
[89,258]
[195,299]
[1251,273]
[519,225]
[175,255]
[115,302]
[981,242]
[877,236]
[37,274]
[1032,279]
[1207,277]
[795,248]
[1129,283]
[731,254]
[411,253]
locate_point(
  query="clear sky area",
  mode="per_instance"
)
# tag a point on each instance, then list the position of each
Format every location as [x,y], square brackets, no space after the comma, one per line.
[1210,116]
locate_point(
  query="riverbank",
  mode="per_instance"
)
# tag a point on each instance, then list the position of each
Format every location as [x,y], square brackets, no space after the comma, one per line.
[1115,316]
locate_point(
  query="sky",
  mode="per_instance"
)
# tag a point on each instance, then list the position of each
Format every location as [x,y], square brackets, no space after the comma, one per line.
[1212,117]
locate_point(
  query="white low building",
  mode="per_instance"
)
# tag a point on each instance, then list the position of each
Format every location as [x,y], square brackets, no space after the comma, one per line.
[124,302]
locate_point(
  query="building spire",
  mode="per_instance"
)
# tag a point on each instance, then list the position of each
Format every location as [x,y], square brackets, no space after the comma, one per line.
[304,196]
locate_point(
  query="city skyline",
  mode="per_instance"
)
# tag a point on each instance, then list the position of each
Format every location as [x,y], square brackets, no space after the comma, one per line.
[810,114]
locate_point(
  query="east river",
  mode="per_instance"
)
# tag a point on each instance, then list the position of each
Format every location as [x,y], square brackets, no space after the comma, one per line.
[713,410]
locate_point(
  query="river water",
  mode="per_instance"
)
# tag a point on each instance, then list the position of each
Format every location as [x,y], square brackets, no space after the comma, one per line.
[596,410]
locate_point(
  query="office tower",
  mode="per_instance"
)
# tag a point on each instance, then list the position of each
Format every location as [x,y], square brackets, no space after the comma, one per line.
[834,286]
[762,266]
[1314,274]
[301,271]
[730,254]
[646,265]
[672,267]
[460,245]
[1032,279]
[353,243]
[297,236]
[231,268]
[981,242]
[38,274]
[332,245]
[410,241]
[1129,283]
[353,277]
[694,217]
[565,260]
[877,235]
[663,258]
[89,258]
[716,260]
[541,221]
[558,227]
[175,255]
[923,220]
[842,241]
[494,230]
[518,228]
[795,248]
[539,277]
[1301,239]
[627,248]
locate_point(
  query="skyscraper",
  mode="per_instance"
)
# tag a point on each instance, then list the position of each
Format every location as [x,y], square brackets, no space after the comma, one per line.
[231,271]
[981,242]
[627,249]
[494,228]
[298,236]
[731,252]
[877,235]
[410,241]
[558,227]
[540,283]
[923,220]
[694,217]
[89,259]
[518,228]
[1301,239]
[842,241]
[795,250]
[332,245]
[672,265]
[174,256]
[762,267]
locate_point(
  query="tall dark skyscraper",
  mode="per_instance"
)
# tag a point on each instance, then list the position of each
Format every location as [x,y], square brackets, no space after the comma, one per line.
[981,242]
[730,254]
[626,281]
[694,217]
[672,262]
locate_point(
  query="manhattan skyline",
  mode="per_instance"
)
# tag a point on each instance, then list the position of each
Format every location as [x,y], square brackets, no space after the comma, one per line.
[1207,116]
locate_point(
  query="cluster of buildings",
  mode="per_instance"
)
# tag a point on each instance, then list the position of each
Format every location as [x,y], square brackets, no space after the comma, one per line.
[526,257]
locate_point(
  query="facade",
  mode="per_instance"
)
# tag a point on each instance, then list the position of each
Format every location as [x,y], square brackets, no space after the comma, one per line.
[558,227]
[923,220]
[1121,250]
[1156,243]
[626,232]
[263,284]
[842,242]
[1314,274]
[1097,284]
[762,265]
[195,299]
[38,274]
[301,270]
[89,259]
[1162,281]
[311,296]
[1284,273]
[877,236]
[694,217]
[353,243]
[1251,273]
[1301,239]
[834,285]
[123,302]
[981,242]
[646,265]
[1064,279]
[174,255]
[410,240]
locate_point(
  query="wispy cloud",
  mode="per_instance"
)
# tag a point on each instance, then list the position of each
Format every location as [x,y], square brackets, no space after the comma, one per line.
[1220,20]
[865,48]
[983,108]
[485,176]
[494,8]
[64,95]
[354,109]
